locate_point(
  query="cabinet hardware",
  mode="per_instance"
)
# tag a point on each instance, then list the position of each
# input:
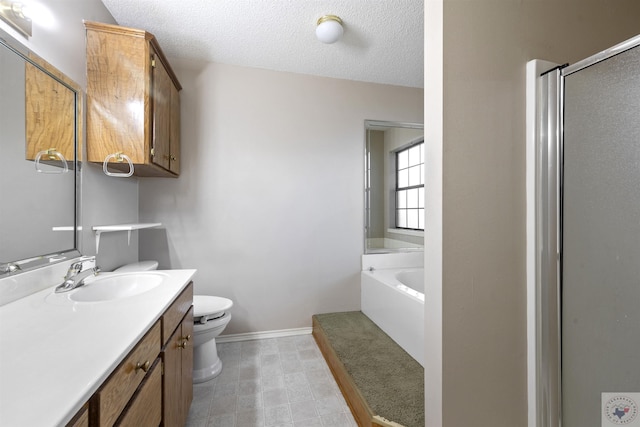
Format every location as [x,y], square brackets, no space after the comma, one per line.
[183,344]
[144,366]
[153,62]
[187,338]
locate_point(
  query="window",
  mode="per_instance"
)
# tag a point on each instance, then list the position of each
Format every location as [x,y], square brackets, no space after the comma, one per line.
[410,187]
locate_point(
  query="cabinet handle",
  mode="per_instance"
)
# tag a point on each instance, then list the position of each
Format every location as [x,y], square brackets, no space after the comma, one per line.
[183,344]
[144,366]
[187,338]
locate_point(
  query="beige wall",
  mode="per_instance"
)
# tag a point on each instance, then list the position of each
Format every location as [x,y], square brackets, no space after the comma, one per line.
[486,46]
[269,205]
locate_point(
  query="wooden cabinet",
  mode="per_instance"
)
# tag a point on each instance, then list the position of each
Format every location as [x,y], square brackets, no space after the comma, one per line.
[177,355]
[133,102]
[154,383]
[115,397]
[81,419]
[146,408]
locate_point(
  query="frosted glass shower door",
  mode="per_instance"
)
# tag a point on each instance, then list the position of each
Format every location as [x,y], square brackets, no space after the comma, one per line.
[600,275]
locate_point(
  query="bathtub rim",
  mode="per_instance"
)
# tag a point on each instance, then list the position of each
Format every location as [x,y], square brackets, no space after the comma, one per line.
[388,277]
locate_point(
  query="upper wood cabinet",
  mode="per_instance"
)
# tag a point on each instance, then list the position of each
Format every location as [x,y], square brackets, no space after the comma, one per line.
[133,102]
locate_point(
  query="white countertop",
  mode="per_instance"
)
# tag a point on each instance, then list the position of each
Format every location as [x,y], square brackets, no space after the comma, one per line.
[55,353]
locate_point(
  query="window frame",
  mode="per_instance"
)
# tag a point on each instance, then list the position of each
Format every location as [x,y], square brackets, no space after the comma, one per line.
[398,189]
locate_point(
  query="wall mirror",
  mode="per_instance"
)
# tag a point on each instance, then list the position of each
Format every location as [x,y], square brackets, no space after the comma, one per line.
[394,187]
[40,128]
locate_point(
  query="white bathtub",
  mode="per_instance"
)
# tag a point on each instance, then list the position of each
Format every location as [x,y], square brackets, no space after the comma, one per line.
[394,300]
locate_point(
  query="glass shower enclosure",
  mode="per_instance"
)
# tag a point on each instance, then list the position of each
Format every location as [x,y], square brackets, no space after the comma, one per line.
[588,242]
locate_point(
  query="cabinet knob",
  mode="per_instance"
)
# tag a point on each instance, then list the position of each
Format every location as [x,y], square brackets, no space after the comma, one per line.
[187,338]
[183,344]
[144,366]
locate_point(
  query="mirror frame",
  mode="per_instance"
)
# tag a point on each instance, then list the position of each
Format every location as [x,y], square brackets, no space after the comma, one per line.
[8,267]
[372,125]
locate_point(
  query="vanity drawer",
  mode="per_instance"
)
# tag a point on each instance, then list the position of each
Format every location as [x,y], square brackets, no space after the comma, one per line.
[81,419]
[145,408]
[174,314]
[113,396]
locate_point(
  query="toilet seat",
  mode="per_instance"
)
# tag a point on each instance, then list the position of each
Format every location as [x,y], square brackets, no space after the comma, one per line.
[206,307]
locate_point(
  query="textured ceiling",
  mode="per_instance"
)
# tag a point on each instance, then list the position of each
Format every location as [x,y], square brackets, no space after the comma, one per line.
[382,43]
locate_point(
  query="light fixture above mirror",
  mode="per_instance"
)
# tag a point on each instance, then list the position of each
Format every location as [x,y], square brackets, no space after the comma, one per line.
[16,14]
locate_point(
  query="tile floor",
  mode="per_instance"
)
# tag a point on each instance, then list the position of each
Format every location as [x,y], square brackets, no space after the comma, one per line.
[278,382]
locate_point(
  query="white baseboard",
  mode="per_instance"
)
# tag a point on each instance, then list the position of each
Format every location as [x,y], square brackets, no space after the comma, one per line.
[263,335]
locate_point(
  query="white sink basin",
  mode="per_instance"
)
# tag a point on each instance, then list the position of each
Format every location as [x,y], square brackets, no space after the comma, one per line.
[116,286]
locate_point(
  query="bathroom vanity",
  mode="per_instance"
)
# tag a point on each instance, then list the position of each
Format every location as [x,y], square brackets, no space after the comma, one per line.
[126,360]
[118,350]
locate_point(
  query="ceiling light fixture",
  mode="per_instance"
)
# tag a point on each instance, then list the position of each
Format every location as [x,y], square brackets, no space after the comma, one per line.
[329,29]
[16,15]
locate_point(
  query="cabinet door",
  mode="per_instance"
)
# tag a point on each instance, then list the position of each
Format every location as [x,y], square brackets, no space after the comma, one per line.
[108,402]
[178,373]
[171,398]
[81,419]
[161,101]
[187,364]
[174,146]
[146,407]
[117,92]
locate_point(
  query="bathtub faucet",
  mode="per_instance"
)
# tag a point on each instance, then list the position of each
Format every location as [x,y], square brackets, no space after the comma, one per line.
[77,273]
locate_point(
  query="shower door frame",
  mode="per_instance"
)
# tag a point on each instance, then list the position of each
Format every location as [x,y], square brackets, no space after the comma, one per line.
[545,133]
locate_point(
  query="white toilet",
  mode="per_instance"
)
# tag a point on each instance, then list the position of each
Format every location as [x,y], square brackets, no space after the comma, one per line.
[210,316]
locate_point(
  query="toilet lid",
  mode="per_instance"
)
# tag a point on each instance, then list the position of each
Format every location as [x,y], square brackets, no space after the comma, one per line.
[138,266]
[210,307]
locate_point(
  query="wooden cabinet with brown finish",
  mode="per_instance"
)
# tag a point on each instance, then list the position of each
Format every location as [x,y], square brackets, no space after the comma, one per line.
[133,102]
[81,419]
[177,354]
[153,385]
[146,408]
[110,401]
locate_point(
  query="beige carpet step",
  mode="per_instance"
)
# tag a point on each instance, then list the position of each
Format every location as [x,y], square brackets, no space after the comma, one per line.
[382,384]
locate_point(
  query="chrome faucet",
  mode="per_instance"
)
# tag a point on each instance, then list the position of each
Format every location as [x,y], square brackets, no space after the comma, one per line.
[77,273]
[10,267]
